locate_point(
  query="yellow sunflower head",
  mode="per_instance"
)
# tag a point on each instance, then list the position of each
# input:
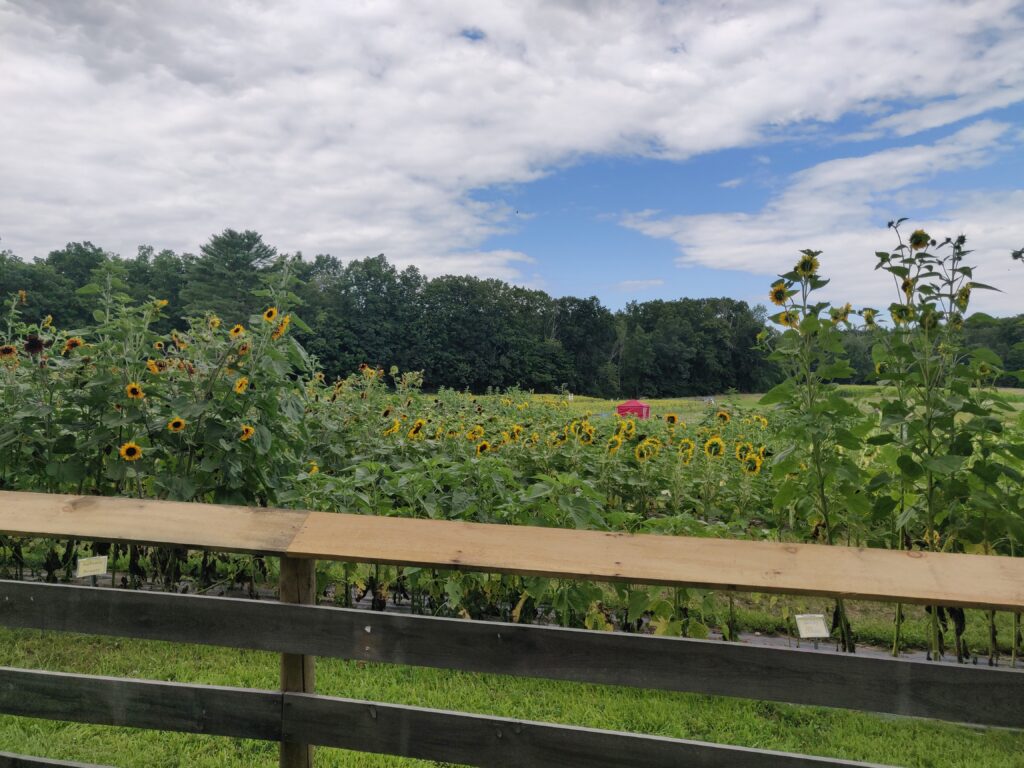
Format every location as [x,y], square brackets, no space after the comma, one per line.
[672,419]
[808,264]
[919,240]
[417,429]
[176,424]
[722,416]
[482,447]
[213,322]
[790,319]
[614,444]
[241,385]
[8,352]
[158,346]
[752,464]
[130,451]
[743,449]
[270,314]
[714,447]
[134,391]
[247,432]
[236,330]
[778,294]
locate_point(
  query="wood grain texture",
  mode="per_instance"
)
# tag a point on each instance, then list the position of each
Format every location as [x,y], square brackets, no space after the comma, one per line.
[297,585]
[11,760]
[870,574]
[801,569]
[199,526]
[958,693]
[482,740]
[241,713]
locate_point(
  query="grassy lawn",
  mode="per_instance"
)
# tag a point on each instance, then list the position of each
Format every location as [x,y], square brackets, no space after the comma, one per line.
[775,726]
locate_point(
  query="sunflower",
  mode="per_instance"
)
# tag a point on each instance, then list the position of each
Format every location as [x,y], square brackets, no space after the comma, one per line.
[247,432]
[743,450]
[869,318]
[963,298]
[34,345]
[789,319]
[686,450]
[243,348]
[901,313]
[417,429]
[714,447]
[313,468]
[386,412]
[8,351]
[241,385]
[134,391]
[73,343]
[752,464]
[778,293]
[396,424]
[672,419]
[919,239]
[213,322]
[176,424]
[722,417]
[614,443]
[482,447]
[516,432]
[841,314]
[956,321]
[153,366]
[645,449]
[807,266]
[22,296]
[130,451]
[160,303]
[158,346]
[881,368]
[627,428]
[587,436]
[282,327]
[475,433]
[236,330]
[179,342]
[270,314]
[907,286]
[763,421]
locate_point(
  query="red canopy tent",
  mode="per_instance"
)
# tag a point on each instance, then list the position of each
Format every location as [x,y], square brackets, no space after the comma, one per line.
[634,408]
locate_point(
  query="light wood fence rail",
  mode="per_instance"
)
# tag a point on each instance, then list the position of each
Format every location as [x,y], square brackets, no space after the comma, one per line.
[298,718]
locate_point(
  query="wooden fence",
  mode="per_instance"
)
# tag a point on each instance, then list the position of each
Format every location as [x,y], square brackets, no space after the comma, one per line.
[300,631]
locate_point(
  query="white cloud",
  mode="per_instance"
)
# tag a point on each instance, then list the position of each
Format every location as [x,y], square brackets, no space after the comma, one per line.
[731,183]
[363,128]
[841,207]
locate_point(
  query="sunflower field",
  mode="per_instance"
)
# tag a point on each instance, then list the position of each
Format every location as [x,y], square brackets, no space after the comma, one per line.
[235,411]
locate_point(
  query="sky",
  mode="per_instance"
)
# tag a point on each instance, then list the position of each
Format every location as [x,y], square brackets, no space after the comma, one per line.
[633,150]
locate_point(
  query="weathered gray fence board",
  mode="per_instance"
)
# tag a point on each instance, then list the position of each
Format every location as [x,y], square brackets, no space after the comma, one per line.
[959,693]
[161,706]
[10,760]
[480,740]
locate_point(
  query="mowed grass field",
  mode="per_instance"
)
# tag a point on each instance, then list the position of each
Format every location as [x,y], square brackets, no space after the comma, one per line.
[819,731]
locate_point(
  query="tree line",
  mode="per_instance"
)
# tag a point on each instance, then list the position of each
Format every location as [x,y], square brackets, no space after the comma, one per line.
[464,332]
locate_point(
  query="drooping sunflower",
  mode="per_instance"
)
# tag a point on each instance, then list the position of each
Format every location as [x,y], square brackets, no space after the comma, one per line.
[236,330]
[714,447]
[241,385]
[907,286]
[789,319]
[22,296]
[808,264]
[644,451]
[176,424]
[73,343]
[396,424]
[8,352]
[247,432]
[963,298]
[686,450]
[270,314]
[841,314]
[778,293]
[901,313]
[869,317]
[919,239]
[213,322]
[881,368]
[722,416]
[134,391]
[282,327]
[516,432]
[130,451]
[614,444]
[752,464]
[482,447]
[179,342]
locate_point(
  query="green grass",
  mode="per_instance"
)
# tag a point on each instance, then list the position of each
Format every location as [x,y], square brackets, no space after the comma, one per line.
[813,730]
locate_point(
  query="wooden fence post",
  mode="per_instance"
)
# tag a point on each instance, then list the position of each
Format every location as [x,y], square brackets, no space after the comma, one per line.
[298,675]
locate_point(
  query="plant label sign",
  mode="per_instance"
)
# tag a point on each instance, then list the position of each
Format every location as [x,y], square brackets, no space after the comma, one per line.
[91,566]
[811,626]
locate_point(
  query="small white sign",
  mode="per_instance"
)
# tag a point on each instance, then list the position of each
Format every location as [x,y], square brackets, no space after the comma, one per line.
[811,626]
[91,566]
